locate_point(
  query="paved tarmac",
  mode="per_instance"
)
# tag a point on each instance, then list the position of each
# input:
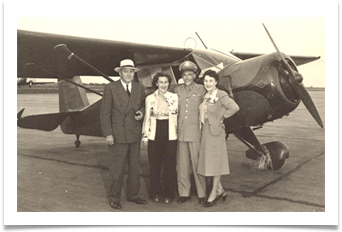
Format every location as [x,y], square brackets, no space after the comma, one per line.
[54,176]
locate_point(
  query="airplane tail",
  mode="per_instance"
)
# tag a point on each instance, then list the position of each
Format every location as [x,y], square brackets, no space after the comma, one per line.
[71,97]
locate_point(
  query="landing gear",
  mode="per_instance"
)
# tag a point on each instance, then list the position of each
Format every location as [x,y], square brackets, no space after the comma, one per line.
[77,142]
[278,152]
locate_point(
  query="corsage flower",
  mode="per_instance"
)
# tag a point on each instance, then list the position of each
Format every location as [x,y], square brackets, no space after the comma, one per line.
[213,98]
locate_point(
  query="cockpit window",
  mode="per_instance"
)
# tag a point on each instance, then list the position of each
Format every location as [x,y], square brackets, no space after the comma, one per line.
[212,60]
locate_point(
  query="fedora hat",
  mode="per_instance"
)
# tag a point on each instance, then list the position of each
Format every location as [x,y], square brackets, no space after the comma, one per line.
[127,63]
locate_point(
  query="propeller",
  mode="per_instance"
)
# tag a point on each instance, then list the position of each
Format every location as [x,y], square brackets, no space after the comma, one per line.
[296,80]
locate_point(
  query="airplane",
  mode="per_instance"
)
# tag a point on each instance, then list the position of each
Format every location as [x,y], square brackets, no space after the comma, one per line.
[29,81]
[265,86]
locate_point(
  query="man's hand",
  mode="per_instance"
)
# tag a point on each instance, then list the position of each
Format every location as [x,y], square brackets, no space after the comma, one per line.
[145,143]
[138,115]
[110,139]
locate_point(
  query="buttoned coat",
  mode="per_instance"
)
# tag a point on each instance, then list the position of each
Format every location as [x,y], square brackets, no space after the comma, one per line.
[223,107]
[118,111]
[188,116]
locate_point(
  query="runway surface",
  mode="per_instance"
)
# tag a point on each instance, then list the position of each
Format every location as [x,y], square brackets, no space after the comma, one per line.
[55,176]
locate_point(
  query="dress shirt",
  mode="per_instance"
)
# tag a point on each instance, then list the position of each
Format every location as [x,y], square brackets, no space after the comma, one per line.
[125,86]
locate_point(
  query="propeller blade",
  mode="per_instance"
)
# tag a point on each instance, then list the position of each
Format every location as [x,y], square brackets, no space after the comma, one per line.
[279,53]
[296,79]
[306,99]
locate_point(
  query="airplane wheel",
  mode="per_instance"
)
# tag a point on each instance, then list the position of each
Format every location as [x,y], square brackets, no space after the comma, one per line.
[77,143]
[278,152]
[277,163]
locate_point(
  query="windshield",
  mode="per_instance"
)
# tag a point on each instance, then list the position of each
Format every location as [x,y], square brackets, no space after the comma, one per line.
[211,59]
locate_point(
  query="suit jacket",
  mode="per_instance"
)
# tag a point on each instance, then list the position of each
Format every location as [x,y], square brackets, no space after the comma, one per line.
[118,111]
[222,107]
[150,120]
[188,117]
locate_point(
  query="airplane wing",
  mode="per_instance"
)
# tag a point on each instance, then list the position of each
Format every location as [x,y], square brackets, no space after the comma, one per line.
[299,60]
[45,122]
[38,48]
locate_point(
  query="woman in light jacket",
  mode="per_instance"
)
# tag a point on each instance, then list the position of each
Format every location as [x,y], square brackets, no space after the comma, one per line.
[213,158]
[160,133]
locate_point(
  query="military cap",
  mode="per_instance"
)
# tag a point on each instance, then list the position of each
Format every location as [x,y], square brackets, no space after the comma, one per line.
[187,66]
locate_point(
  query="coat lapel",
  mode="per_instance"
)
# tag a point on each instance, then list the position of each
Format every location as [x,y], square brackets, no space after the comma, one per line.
[121,92]
[133,98]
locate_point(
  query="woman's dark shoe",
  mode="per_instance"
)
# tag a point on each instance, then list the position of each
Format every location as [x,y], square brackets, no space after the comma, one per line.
[210,203]
[223,195]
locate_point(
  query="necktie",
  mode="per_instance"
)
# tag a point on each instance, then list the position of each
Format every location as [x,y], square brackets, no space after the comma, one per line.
[127,90]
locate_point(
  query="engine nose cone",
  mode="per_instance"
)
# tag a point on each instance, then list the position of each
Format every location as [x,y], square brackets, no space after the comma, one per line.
[298,78]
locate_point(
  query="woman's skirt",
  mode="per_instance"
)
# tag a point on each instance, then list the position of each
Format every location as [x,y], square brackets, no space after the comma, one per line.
[213,157]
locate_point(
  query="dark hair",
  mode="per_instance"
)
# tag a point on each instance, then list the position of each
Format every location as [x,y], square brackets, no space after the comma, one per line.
[159,74]
[211,73]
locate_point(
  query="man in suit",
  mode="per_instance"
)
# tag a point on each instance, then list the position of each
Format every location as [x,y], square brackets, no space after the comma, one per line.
[121,114]
[190,96]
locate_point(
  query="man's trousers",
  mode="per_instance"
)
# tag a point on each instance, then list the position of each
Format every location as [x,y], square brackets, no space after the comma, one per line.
[187,161]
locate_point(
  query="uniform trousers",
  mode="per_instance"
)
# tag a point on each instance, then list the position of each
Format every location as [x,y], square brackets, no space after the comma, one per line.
[162,159]
[187,162]
[120,154]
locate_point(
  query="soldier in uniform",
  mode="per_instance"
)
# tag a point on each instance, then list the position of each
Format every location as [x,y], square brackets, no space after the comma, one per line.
[190,96]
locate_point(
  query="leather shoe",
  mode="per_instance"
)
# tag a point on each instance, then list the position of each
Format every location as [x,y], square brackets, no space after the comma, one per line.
[138,201]
[181,200]
[115,205]
[201,200]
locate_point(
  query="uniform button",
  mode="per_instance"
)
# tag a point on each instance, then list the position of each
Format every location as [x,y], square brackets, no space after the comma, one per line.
[186,105]
[186,111]
[187,99]
[186,117]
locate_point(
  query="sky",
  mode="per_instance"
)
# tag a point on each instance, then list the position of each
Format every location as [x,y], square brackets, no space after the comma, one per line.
[293,35]
[297,29]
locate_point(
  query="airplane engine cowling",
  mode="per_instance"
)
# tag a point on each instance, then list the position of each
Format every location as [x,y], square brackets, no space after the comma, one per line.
[261,90]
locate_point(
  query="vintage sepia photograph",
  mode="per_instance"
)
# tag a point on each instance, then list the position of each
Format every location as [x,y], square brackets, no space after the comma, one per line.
[220,115]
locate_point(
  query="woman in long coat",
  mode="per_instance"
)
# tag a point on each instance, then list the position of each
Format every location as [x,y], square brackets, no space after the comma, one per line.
[213,158]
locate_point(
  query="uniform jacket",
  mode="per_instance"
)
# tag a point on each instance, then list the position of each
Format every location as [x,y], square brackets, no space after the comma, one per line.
[150,120]
[118,111]
[218,108]
[188,116]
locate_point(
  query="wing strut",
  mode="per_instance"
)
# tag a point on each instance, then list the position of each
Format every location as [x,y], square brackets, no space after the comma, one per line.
[201,40]
[59,77]
[71,54]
